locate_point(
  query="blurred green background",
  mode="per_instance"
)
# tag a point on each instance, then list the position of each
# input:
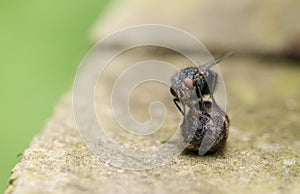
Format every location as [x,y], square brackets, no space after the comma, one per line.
[41,46]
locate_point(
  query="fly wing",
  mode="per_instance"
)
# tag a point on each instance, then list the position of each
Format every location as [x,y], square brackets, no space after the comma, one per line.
[212,63]
[215,135]
[215,81]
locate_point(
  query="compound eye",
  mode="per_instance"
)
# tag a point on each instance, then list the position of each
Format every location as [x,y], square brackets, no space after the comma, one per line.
[189,83]
[172,91]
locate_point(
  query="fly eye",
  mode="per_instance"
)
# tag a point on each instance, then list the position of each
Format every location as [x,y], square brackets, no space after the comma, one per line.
[189,83]
[172,91]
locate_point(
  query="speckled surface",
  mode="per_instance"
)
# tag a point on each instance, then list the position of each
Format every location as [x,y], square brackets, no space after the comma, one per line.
[262,154]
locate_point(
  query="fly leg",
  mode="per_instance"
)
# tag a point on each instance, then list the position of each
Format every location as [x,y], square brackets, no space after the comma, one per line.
[211,84]
[176,100]
[200,98]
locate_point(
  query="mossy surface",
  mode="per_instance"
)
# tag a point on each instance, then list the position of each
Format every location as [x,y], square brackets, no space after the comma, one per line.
[262,154]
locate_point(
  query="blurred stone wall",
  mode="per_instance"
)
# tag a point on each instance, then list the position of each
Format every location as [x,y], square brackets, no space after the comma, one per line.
[244,26]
